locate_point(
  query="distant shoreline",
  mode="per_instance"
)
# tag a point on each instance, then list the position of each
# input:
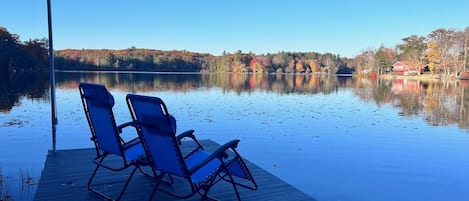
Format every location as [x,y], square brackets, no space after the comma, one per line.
[427,77]
[185,72]
[418,77]
[124,71]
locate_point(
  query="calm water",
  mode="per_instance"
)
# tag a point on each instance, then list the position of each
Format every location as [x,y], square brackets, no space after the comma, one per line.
[335,138]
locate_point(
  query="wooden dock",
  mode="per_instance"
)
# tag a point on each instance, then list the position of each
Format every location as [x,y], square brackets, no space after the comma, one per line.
[66,173]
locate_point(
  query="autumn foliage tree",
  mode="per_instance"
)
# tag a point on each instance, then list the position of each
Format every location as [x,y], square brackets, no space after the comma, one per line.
[433,58]
[445,49]
[313,65]
[365,63]
[466,48]
[256,65]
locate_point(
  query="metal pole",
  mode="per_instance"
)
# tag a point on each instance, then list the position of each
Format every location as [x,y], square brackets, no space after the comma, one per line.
[52,78]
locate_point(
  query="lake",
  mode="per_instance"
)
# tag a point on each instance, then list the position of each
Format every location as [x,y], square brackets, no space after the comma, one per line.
[335,138]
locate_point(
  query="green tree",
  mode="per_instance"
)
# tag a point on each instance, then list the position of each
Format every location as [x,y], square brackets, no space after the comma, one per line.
[413,51]
[385,57]
[37,53]
[8,48]
[28,56]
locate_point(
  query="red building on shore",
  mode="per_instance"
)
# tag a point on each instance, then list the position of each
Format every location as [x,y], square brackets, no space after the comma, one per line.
[399,68]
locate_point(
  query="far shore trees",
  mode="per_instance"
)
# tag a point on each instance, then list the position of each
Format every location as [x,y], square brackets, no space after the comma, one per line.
[15,55]
[443,51]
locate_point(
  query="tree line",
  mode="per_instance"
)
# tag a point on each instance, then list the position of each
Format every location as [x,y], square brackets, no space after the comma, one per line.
[15,55]
[443,51]
[176,61]
[33,55]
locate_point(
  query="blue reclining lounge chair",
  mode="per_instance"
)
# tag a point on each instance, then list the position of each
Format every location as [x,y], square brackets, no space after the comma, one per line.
[97,104]
[200,169]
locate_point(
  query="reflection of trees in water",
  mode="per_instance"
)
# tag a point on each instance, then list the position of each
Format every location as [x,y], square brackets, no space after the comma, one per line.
[363,88]
[445,104]
[13,86]
[463,103]
[439,102]
[410,103]
[238,83]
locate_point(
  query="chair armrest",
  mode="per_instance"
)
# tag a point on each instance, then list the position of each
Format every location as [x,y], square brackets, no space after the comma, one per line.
[188,133]
[126,142]
[220,153]
[130,123]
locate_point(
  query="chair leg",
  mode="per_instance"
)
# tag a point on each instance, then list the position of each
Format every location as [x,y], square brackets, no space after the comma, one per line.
[106,197]
[206,188]
[152,194]
[234,187]
[231,180]
[155,187]
[206,197]
[91,180]
[127,183]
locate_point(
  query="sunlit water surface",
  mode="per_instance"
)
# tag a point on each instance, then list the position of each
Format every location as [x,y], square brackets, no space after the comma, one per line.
[332,146]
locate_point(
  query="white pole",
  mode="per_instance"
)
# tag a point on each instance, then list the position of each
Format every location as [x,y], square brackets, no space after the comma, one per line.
[52,78]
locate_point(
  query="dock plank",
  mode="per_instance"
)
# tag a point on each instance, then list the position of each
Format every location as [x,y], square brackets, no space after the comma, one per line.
[66,174]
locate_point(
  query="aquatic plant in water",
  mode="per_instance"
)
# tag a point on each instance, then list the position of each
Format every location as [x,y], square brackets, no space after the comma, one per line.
[26,182]
[5,194]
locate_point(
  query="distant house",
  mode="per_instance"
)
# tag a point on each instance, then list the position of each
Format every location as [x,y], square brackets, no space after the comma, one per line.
[399,68]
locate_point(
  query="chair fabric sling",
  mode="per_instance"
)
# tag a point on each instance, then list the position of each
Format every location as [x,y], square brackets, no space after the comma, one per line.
[105,134]
[201,169]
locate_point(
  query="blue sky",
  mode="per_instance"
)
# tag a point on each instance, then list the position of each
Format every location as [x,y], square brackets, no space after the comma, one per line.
[345,27]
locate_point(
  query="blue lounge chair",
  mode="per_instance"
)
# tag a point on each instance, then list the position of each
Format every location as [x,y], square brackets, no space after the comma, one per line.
[200,169]
[105,134]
